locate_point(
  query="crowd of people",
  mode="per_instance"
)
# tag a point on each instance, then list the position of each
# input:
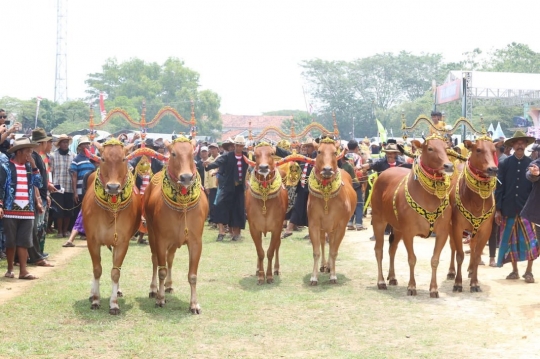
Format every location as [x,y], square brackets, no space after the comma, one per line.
[42,185]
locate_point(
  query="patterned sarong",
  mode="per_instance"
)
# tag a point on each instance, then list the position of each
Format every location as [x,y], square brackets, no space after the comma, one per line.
[518,241]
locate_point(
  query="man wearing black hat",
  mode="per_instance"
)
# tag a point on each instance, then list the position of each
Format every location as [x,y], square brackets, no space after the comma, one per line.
[518,238]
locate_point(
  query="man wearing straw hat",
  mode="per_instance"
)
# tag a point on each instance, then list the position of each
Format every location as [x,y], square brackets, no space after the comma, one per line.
[63,198]
[18,178]
[518,236]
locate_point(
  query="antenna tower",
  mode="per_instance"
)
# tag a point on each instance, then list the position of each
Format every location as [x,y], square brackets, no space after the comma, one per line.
[60,83]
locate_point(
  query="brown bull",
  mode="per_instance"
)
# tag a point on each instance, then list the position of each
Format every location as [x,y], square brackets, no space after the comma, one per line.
[473,208]
[112,214]
[415,203]
[331,203]
[266,205]
[175,208]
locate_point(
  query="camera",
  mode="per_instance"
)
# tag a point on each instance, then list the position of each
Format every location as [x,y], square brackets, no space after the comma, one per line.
[7,122]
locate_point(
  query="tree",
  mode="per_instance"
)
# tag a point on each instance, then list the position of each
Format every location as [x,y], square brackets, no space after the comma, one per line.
[514,57]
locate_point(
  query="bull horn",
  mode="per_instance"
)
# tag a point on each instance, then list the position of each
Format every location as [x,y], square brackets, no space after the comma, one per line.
[92,156]
[340,156]
[249,162]
[145,151]
[295,157]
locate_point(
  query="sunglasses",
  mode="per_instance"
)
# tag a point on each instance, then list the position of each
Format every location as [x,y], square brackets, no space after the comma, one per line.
[3,116]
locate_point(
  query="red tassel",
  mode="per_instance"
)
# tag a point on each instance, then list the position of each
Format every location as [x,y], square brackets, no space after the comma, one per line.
[183,190]
[114,199]
[325,183]
[265,184]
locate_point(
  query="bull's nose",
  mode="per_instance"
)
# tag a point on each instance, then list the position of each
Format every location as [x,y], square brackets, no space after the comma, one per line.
[185,177]
[327,169]
[448,167]
[492,170]
[113,187]
[263,168]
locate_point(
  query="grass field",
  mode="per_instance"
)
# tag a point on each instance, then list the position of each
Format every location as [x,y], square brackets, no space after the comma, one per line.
[52,317]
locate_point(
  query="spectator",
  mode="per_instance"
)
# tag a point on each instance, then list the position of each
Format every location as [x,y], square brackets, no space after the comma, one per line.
[5,132]
[63,182]
[356,160]
[18,178]
[210,183]
[79,167]
[518,239]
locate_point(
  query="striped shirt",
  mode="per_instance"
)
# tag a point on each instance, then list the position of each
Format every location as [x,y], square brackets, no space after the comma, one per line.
[21,209]
[60,168]
[81,165]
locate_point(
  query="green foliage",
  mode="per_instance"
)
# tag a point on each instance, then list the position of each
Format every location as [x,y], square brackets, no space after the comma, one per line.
[386,85]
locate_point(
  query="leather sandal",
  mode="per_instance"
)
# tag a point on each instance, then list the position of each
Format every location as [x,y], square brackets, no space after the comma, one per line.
[513,275]
[529,278]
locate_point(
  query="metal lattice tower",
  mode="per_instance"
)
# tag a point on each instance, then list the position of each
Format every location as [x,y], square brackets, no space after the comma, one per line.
[60,83]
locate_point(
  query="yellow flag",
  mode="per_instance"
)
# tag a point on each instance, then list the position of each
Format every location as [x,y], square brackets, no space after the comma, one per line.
[382,131]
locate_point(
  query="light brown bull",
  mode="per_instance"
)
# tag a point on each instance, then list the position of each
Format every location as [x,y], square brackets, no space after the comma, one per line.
[112,214]
[266,205]
[176,208]
[415,203]
[473,208]
[331,203]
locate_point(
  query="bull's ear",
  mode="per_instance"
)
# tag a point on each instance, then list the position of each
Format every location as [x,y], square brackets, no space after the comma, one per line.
[468,144]
[99,147]
[416,143]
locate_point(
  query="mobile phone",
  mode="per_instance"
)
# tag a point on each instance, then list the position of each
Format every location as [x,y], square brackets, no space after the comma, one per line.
[7,122]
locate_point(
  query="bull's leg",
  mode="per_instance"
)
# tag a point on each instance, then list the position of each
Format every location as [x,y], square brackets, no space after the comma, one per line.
[456,242]
[314,235]
[257,241]
[378,230]
[272,249]
[324,262]
[170,259]
[395,237]
[119,253]
[335,240]
[411,287]
[95,253]
[482,238]
[195,247]
[452,269]
[440,241]
[276,260]
[153,283]
[161,255]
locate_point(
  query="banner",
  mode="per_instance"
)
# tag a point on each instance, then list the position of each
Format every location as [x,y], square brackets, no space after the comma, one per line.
[102,97]
[449,92]
[382,131]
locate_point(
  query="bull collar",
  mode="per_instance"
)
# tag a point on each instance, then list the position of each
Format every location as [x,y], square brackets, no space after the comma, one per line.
[325,189]
[266,189]
[431,182]
[113,202]
[178,198]
[481,185]
[475,222]
[431,217]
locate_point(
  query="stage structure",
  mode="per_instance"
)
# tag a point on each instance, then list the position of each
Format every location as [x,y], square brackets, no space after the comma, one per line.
[505,88]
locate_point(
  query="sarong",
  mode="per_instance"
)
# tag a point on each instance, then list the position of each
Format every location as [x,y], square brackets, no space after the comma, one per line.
[78,226]
[518,241]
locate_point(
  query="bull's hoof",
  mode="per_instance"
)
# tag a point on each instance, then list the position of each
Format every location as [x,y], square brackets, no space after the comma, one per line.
[91,299]
[160,305]
[119,293]
[152,295]
[95,306]
[411,292]
[114,311]
[169,290]
[196,310]
[475,289]
[457,288]
[333,281]
[276,272]
[313,283]
[434,295]
[381,286]
[269,280]
[323,269]
[451,276]
[392,281]
[260,282]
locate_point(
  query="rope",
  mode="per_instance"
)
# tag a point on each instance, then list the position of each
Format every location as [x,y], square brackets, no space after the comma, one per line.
[62,208]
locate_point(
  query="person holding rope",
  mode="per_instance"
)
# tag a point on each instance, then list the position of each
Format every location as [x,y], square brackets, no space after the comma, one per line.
[63,198]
